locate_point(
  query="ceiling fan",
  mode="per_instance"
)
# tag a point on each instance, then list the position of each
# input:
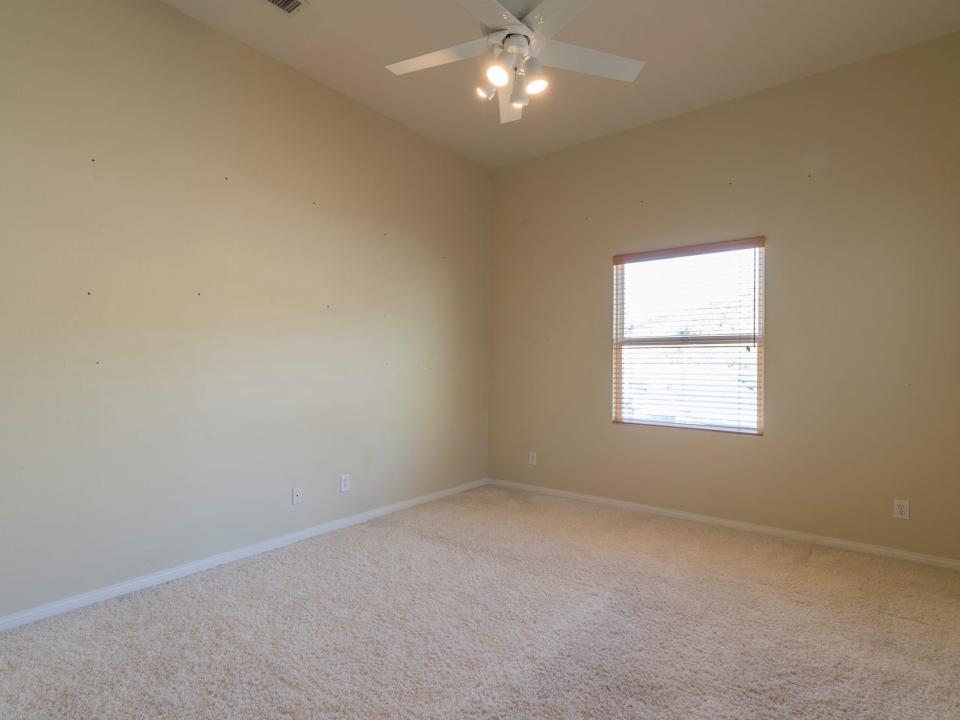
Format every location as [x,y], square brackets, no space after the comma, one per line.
[518,50]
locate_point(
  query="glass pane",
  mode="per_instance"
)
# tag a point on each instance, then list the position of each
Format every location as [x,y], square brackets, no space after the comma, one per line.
[713,386]
[709,294]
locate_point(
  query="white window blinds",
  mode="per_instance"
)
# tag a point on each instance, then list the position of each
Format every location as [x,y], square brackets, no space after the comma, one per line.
[688,337]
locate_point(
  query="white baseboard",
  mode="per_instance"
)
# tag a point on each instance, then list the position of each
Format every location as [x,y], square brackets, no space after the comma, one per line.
[58,607]
[838,543]
[74,602]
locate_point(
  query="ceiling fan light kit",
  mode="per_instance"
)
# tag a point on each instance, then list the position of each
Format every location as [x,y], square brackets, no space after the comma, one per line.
[518,50]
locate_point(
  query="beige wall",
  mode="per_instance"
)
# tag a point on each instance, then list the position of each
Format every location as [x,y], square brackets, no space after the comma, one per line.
[179,349]
[854,178]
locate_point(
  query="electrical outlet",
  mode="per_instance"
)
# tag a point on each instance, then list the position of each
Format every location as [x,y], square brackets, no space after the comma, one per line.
[532,458]
[344,483]
[296,496]
[901,509]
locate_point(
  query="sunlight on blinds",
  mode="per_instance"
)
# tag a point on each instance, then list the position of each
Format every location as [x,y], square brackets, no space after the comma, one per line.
[688,337]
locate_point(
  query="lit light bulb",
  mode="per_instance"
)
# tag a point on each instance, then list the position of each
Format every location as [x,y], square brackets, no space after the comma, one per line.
[497,75]
[535,87]
[486,91]
[498,72]
[534,79]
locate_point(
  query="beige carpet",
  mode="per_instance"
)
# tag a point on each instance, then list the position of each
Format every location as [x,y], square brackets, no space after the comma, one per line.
[497,604]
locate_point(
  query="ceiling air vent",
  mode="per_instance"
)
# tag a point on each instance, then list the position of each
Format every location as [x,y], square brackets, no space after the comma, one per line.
[288,6]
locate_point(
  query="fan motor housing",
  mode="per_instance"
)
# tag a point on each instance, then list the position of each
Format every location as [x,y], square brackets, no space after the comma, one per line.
[517,44]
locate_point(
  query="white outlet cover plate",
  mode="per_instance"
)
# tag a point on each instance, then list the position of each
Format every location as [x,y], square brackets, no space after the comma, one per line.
[901,509]
[296,496]
[532,458]
[344,483]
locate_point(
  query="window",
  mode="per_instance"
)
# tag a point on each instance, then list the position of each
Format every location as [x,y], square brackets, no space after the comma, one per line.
[688,337]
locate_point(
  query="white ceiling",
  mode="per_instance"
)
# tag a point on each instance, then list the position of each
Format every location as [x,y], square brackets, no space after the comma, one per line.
[698,52]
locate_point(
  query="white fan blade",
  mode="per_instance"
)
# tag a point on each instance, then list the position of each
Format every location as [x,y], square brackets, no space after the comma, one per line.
[470,49]
[592,62]
[492,14]
[508,113]
[552,16]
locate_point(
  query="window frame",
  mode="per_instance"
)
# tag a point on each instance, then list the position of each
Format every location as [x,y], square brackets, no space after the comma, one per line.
[755,339]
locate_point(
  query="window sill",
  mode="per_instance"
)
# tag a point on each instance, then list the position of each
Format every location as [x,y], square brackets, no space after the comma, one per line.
[710,428]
